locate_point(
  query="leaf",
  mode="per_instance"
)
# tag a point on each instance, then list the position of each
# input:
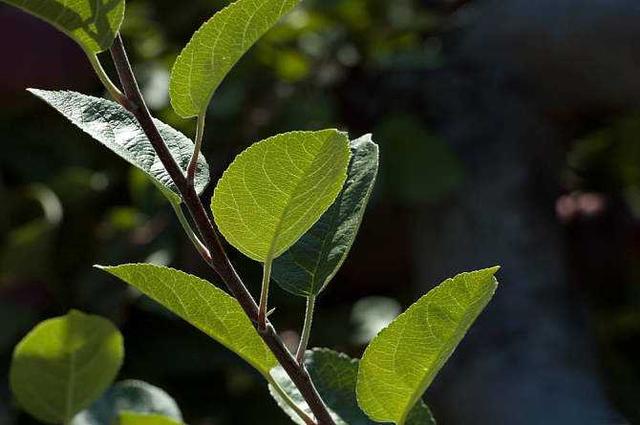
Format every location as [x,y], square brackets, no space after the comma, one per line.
[132,418]
[402,361]
[334,375]
[309,265]
[278,188]
[117,129]
[64,364]
[203,305]
[131,396]
[91,23]
[216,47]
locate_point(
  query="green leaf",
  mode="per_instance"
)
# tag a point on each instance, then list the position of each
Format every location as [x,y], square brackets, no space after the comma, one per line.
[132,418]
[216,47]
[278,188]
[203,305]
[91,23]
[309,265]
[334,375]
[64,364]
[117,129]
[402,361]
[131,396]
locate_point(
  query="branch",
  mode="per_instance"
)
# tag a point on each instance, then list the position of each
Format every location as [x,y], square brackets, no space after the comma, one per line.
[218,260]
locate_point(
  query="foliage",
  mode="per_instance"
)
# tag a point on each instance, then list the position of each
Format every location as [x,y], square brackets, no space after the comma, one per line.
[216,47]
[64,364]
[277,189]
[309,265]
[92,24]
[203,305]
[299,197]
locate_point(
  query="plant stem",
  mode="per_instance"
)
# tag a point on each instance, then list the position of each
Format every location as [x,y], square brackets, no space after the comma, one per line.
[264,293]
[193,163]
[186,226]
[104,78]
[306,329]
[287,399]
[218,261]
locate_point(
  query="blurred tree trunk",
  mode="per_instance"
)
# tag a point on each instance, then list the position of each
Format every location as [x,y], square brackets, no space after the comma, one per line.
[525,75]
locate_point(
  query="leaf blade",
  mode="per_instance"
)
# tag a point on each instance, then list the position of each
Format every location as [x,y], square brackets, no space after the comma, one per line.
[64,364]
[408,354]
[310,264]
[216,47]
[119,131]
[261,204]
[132,396]
[93,24]
[335,375]
[201,304]
[133,418]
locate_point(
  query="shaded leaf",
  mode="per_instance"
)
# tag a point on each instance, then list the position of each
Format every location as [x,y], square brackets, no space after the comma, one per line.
[91,23]
[117,129]
[64,364]
[334,375]
[278,188]
[131,396]
[309,265]
[216,47]
[402,361]
[203,305]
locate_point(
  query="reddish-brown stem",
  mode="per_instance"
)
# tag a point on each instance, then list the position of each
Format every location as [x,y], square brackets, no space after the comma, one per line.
[218,259]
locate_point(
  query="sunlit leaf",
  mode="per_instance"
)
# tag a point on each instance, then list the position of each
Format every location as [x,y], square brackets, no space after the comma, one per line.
[278,188]
[309,265]
[216,47]
[402,361]
[131,396]
[64,364]
[117,129]
[91,23]
[132,418]
[334,375]
[203,305]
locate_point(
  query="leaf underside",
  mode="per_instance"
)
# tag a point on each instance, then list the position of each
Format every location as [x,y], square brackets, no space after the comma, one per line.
[216,47]
[203,305]
[64,364]
[91,23]
[334,375]
[310,264]
[278,188]
[132,396]
[118,130]
[402,361]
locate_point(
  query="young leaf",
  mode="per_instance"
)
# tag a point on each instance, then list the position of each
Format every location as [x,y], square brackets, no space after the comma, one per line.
[309,265]
[334,375]
[64,364]
[216,47]
[203,305]
[117,129]
[132,418]
[401,362]
[131,396]
[278,188]
[91,23]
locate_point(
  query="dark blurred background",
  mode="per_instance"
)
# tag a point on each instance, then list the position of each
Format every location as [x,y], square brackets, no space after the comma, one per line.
[508,133]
